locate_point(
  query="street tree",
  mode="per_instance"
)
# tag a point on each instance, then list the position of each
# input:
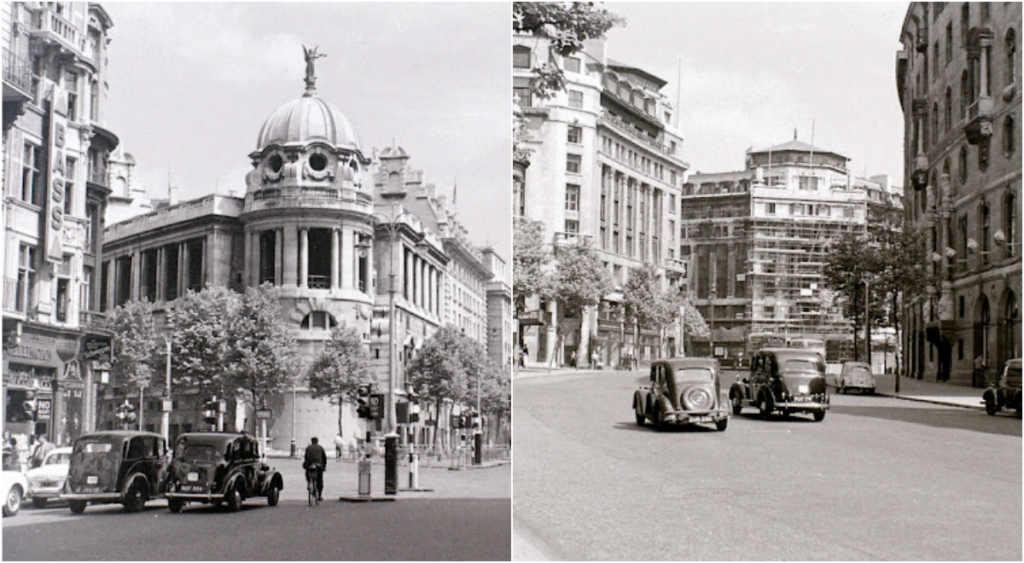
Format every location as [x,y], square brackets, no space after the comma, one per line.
[565,26]
[200,323]
[578,281]
[341,369]
[263,354]
[444,367]
[850,264]
[530,258]
[496,395]
[134,343]
[647,304]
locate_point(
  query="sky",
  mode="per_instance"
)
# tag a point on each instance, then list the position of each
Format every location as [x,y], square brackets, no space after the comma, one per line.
[754,72]
[191,85]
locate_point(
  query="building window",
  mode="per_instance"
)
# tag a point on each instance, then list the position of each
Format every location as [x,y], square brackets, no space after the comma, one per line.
[573,163]
[31,175]
[572,64]
[85,304]
[984,145]
[935,123]
[769,208]
[986,11]
[1009,222]
[984,232]
[520,196]
[949,42]
[71,85]
[848,212]
[70,168]
[26,277]
[1011,56]
[949,110]
[572,226]
[808,182]
[572,197]
[965,93]
[962,164]
[965,22]
[521,57]
[521,89]
[575,135]
[318,320]
[575,99]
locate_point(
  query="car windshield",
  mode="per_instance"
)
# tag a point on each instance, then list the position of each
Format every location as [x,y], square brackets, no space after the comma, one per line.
[58,459]
[197,453]
[859,371]
[694,375]
[95,447]
[800,365]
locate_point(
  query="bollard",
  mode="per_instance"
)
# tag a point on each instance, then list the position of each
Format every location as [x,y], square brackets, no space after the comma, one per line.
[365,471]
[293,448]
[391,464]
[478,448]
[414,470]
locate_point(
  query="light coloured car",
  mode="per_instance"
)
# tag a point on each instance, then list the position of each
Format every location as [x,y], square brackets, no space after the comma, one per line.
[856,375]
[47,481]
[13,484]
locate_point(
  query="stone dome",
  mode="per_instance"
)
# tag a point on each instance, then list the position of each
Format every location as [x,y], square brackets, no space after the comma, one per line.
[308,119]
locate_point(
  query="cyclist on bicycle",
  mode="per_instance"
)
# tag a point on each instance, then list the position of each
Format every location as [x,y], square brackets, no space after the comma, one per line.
[316,460]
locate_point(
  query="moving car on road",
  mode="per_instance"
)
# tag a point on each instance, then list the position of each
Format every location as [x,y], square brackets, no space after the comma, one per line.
[117,466]
[682,391]
[1005,393]
[47,481]
[13,484]
[783,380]
[219,467]
[856,375]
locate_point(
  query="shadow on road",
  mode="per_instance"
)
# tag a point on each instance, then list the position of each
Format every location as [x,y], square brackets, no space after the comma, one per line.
[686,429]
[939,417]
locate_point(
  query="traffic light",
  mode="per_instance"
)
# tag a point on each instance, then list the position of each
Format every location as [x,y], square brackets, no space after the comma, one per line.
[210,411]
[363,401]
[126,414]
[29,409]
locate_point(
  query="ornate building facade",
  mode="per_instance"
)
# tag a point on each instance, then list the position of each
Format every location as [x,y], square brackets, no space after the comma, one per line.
[55,189]
[959,83]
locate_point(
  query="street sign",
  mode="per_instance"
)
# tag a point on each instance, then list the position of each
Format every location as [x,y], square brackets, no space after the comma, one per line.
[98,348]
[377,406]
[264,414]
[44,408]
[166,405]
[532,318]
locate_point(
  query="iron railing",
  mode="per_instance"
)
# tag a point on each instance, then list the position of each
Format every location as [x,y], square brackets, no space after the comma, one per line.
[17,72]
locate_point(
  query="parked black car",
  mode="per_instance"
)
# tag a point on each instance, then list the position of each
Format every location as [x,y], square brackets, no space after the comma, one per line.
[219,468]
[783,380]
[115,467]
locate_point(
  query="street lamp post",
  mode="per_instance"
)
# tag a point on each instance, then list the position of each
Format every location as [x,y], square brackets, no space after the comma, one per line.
[711,312]
[165,417]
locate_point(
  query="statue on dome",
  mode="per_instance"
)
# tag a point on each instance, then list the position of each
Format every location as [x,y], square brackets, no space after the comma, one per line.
[311,56]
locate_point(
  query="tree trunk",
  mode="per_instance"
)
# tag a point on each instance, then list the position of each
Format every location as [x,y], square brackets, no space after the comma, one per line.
[855,311]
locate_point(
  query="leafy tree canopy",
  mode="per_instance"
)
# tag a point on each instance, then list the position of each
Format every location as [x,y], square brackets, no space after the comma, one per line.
[262,350]
[135,346]
[342,368]
[646,302]
[446,364]
[530,258]
[201,327]
[579,279]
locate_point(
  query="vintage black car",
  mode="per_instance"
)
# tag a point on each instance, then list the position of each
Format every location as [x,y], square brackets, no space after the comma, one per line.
[682,391]
[1005,393]
[783,380]
[115,467]
[219,468]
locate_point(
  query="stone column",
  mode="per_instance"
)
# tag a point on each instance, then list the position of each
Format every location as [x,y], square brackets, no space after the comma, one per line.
[289,265]
[209,265]
[335,257]
[160,273]
[423,283]
[136,266]
[181,281]
[408,285]
[347,257]
[303,257]
[278,256]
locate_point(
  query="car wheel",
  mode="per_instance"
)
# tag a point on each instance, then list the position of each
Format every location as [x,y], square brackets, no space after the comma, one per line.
[175,504]
[659,418]
[77,506]
[819,416]
[135,500]
[12,504]
[233,499]
[721,425]
[737,403]
[991,407]
[39,502]
[273,495]
[767,406]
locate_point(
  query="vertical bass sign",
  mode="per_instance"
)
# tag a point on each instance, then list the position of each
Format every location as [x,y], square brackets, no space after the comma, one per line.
[56,185]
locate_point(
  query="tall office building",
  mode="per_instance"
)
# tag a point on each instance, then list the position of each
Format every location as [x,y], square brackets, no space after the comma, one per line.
[958,78]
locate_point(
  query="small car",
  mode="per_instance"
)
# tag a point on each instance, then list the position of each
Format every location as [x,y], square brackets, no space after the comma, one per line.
[117,466]
[1005,393]
[856,375]
[219,468]
[783,380]
[47,481]
[682,391]
[13,484]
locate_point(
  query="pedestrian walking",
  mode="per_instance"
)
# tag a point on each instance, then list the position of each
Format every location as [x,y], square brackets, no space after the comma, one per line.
[339,445]
[573,360]
[593,359]
[979,371]
[43,447]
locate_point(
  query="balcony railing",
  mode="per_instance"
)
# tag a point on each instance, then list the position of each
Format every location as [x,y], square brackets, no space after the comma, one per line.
[318,282]
[93,320]
[17,73]
[55,26]
[634,134]
[312,192]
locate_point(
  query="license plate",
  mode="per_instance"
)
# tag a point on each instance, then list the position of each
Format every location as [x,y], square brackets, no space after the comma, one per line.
[193,476]
[192,489]
[802,399]
[92,480]
[700,419]
[87,490]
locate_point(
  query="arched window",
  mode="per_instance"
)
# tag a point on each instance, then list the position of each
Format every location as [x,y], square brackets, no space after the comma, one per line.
[1009,137]
[947,177]
[949,110]
[985,232]
[321,320]
[935,123]
[965,93]
[1011,56]
[962,166]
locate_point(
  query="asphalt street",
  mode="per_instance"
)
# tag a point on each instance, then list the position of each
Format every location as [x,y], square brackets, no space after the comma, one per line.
[879,478]
[467,517]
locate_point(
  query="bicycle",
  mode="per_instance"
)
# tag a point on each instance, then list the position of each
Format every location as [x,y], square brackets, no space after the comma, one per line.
[311,485]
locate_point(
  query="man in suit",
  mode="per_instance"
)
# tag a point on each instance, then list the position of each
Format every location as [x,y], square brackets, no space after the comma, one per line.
[316,459]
